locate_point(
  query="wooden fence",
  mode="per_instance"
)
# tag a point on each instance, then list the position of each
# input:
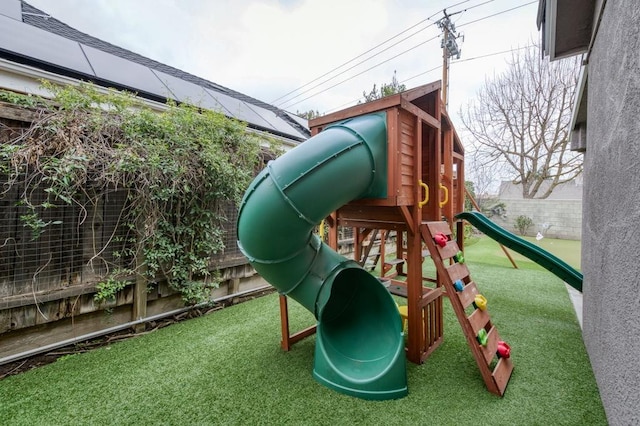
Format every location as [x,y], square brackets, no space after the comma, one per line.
[48,281]
[47,284]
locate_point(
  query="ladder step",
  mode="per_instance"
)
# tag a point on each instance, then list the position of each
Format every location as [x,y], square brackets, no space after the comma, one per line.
[489,351]
[478,320]
[502,373]
[448,251]
[457,271]
[394,262]
[468,295]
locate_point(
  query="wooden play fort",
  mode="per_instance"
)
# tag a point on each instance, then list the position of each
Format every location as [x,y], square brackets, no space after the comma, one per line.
[425,188]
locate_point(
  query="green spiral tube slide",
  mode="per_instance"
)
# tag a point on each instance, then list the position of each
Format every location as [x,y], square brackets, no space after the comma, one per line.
[359,342]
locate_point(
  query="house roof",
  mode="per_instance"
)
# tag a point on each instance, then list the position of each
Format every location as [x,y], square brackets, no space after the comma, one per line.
[567,26]
[32,37]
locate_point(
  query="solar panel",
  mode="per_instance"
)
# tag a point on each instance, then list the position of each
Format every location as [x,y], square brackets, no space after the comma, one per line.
[301,121]
[239,109]
[11,9]
[31,42]
[34,43]
[187,92]
[275,121]
[124,72]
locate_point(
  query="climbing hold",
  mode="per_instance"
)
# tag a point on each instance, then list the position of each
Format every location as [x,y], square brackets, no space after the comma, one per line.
[458,285]
[459,257]
[480,302]
[440,239]
[504,350]
[482,337]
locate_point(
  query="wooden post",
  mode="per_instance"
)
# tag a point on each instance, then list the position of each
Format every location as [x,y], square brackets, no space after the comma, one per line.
[447,176]
[445,67]
[139,308]
[332,222]
[284,323]
[289,339]
[414,296]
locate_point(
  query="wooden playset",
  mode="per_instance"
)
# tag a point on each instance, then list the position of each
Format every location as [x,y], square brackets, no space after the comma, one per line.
[425,188]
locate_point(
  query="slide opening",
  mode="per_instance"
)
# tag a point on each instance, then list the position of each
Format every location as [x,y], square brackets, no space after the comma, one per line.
[361,326]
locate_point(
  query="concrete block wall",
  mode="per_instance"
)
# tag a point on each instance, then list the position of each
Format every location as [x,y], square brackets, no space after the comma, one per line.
[563,217]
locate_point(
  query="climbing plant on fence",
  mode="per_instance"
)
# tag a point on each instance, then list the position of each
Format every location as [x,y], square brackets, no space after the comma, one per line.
[177,168]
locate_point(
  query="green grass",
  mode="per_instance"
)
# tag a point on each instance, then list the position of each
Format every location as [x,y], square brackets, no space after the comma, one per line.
[485,250]
[228,368]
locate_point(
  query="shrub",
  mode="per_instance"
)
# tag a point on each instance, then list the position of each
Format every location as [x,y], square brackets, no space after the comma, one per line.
[523,223]
[178,167]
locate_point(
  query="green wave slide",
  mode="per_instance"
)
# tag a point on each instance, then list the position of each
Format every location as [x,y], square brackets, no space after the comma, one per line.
[542,257]
[359,339]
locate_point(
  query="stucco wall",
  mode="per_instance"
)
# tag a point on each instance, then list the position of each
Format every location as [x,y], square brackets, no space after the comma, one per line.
[611,218]
[563,217]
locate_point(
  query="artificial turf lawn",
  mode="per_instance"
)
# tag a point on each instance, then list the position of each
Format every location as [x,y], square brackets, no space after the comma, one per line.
[228,368]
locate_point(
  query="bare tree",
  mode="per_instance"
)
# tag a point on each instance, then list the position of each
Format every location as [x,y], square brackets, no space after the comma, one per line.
[520,121]
[485,182]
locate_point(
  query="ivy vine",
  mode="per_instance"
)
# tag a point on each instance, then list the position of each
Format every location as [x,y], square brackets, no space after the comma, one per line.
[178,167]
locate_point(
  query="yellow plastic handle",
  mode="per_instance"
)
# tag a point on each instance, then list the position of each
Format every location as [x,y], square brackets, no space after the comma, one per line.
[426,194]
[446,195]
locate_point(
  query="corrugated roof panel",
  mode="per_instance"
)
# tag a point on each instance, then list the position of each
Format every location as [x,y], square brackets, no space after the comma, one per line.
[124,72]
[11,9]
[34,43]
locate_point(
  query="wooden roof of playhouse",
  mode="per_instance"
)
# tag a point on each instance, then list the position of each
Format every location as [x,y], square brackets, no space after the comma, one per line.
[423,149]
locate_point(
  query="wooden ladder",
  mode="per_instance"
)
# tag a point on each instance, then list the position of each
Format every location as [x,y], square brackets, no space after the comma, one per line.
[495,371]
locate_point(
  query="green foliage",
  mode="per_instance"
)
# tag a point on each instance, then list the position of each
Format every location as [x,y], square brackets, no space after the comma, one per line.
[108,288]
[33,221]
[309,115]
[179,166]
[523,223]
[28,101]
[497,209]
[385,90]
[468,206]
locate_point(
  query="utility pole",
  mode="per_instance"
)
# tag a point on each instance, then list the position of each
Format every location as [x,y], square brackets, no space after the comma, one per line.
[450,49]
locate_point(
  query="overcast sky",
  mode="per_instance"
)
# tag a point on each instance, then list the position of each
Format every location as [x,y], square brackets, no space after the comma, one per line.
[268,48]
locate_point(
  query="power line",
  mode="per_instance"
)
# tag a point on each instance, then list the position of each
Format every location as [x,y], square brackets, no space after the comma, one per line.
[502,52]
[282,105]
[287,102]
[372,49]
[491,54]
[348,69]
[355,58]
[362,72]
[496,14]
